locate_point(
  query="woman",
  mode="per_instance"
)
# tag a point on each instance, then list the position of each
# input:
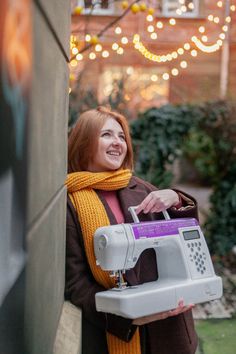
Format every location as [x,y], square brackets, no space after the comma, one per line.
[101,187]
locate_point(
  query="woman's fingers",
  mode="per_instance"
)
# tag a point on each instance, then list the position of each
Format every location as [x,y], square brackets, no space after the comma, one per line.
[158,201]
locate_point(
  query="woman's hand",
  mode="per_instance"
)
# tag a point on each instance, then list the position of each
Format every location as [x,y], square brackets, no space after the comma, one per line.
[158,201]
[162,315]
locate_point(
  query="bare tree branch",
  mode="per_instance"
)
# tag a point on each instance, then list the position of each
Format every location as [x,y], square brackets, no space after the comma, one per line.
[109,25]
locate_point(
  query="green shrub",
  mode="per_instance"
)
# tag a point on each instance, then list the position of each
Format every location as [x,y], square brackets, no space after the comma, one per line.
[206,134]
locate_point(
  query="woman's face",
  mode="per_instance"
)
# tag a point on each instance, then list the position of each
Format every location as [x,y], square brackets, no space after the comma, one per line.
[111,150]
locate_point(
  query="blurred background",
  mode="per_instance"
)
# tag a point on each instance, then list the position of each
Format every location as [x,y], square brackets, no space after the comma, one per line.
[170,67]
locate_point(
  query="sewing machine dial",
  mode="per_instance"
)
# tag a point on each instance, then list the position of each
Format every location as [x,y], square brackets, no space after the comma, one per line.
[197,252]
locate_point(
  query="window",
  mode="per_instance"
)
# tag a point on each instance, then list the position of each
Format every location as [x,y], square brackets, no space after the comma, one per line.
[180,8]
[100,7]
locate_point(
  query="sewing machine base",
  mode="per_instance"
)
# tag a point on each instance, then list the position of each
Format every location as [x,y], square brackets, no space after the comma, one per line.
[148,298]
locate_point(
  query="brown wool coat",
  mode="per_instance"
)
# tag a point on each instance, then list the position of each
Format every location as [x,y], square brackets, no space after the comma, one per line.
[174,335]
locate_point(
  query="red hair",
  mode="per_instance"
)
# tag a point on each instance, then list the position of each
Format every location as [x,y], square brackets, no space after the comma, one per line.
[83,139]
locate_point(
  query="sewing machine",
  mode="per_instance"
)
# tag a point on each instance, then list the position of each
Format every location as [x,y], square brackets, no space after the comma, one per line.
[185,269]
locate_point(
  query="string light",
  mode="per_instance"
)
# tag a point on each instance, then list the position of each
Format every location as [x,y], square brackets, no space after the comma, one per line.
[120,51]
[115,46]
[124,40]
[149,18]
[150,28]
[105,54]
[165,76]
[87,38]
[201,29]
[153,35]
[204,48]
[183,64]
[204,38]
[172,22]
[175,72]
[180,51]
[154,78]
[73,63]
[118,30]
[79,57]
[98,47]
[92,56]
[159,24]
[194,53]
[187,46]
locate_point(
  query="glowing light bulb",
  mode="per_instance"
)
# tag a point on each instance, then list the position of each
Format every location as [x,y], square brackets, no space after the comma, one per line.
[232,8]
[222,36]
[225,28]
[153,35]
[174,55]
[118,30]
[201,29]
[193,53]
[98,48]
[120,51]
[149,18]
[210,17]
[172,22]
[180,51]
[183,64]
[159,24]
[73,62]
[216,19]
[124,40]
[191,6]
[228,19]
[165,76]
[105,54]
[87,38]
[204,38]
[92,56]
[219,3]
[150,28]
[75,51]
[186,46]
[154,78]
[174,72]
[115,46]
[79,57]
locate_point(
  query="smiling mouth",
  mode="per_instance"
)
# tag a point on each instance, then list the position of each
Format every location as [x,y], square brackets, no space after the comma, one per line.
[113,153]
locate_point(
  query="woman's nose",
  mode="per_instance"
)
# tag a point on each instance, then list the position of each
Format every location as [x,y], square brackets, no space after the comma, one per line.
[116,140]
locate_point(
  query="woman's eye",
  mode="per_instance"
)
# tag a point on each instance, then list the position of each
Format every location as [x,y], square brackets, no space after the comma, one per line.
[105,134]
[122,137]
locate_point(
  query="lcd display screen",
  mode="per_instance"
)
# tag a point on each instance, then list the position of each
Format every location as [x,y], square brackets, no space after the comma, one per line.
[191,235]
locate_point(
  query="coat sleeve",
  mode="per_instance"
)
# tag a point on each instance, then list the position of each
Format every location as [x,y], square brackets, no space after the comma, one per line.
[81,287]
[187,207]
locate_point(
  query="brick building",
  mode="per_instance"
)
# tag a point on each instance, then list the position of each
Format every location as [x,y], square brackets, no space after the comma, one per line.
[173,67]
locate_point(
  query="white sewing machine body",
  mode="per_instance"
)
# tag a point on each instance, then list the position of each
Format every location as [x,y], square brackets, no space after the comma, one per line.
[185,269]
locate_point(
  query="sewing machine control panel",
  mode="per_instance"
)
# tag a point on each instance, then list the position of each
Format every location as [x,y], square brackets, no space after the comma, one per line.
[197,252]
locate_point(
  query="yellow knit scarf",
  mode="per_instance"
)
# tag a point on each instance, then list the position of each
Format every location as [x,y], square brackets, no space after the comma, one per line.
[92,215]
